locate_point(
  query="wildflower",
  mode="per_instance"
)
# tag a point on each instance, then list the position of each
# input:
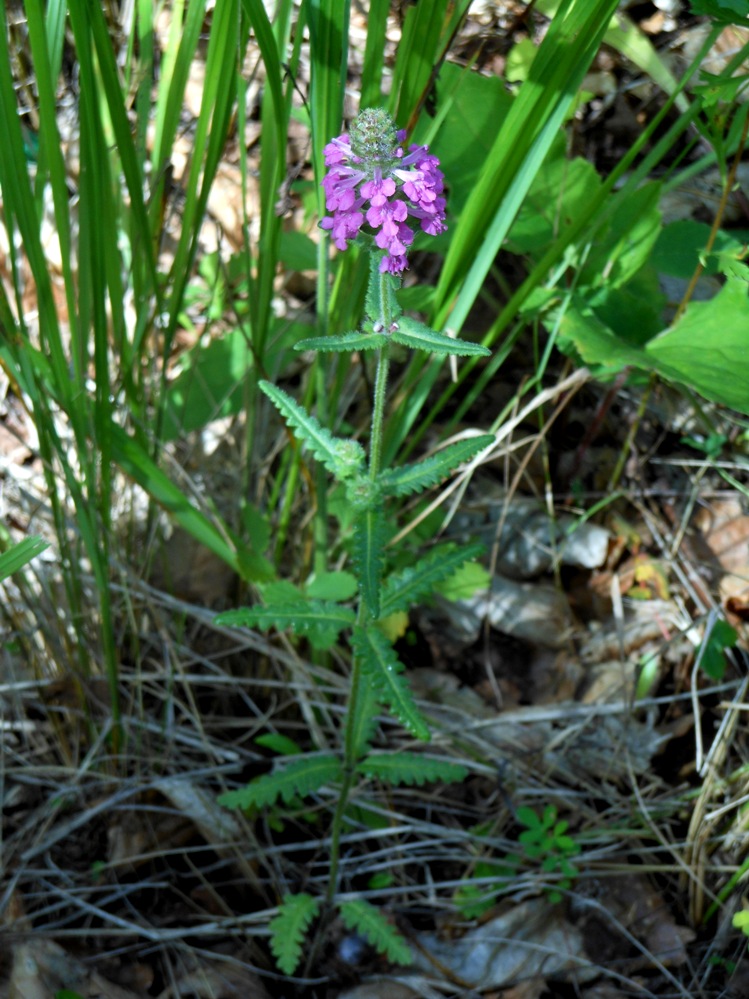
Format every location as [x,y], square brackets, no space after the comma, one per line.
[373,181]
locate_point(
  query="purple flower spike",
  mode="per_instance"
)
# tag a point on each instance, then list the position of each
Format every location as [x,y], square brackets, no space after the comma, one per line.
[373,180]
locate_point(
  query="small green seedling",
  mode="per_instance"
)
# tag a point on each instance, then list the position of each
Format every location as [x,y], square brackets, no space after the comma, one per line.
[546,839]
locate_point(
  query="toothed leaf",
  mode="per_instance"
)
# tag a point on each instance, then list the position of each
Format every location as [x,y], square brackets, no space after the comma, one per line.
[361,916]
[381,304]
[411,333]
[430,471]
[344,342]
[369,539]
[344,458]
[321,621]
[411,768]
[289,928]
[362,721]
[414,583]
[384,671]
[292,779]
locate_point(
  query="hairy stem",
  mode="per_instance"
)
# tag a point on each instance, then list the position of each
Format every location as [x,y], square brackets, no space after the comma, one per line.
[351,748]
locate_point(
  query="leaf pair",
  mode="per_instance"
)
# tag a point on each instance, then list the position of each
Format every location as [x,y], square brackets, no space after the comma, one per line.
[289,929]
[303,777]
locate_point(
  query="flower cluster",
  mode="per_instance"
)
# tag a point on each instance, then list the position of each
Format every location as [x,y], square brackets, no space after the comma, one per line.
[371,179]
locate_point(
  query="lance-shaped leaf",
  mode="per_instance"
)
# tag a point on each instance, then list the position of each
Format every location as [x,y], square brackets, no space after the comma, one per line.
[298,778]
[19,554]
[321,621]
[411,333]
[381,304]
[344,342]
[429,471]
[362,721]
[360,915]
[384,671]
[409,585]
[342,457]
[369,539]
[289,928]
[411,768]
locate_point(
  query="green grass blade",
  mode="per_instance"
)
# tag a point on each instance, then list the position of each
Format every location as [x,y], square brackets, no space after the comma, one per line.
[534,120]
[135,462]
[20,554]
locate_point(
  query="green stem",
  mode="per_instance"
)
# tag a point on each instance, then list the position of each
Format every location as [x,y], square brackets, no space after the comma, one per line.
[349,764]
[378,414]
[350,747]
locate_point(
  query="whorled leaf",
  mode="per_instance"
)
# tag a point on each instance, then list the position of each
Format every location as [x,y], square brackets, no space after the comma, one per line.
[359,915]
[344,342]
[321,621]
[406,587]
[411,768]
[384,671]
[430,471]
[344,458]
[298,778]
[289,928]
[412,333]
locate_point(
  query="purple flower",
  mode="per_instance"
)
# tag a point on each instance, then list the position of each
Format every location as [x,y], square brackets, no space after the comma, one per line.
[372,179]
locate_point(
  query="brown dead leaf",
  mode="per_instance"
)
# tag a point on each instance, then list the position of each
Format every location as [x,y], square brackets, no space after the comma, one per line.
[636,906]
[43,968]
[214,981]
[724,529]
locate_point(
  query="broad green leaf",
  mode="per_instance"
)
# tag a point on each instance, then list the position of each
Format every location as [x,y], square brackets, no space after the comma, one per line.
[288,930]
[280,744]
[212,385]
[332,586]
[633,312]
[623,244]
[712,658]
[344,342]
[560,191]
[384,671]
[430,471]
[299,778]
[297,251]
[411,768]
[416,335]
[474,108]
[320,621]
[598,346]
[680,245]
[414,583]
[707,348]
[20,554]
[344,458]
[723,11]
[360,915]
[465,582]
